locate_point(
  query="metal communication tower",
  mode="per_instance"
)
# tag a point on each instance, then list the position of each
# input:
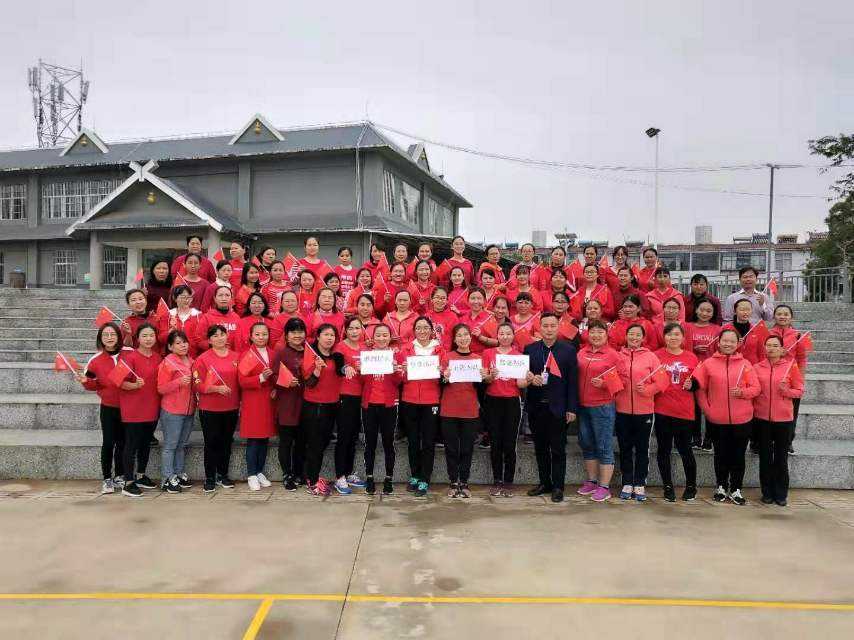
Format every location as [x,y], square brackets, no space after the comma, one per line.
[58,98]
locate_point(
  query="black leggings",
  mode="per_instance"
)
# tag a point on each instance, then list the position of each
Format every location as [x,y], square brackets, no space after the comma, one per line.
[317,420]
[667,431]
[730,446]
[292,451]
[380,422]
[502,418]
[421,422]
[774,439]
[459,436]
[796,407]
[218,432]
[113,444]
[633,436]
[349,421]
[137,447]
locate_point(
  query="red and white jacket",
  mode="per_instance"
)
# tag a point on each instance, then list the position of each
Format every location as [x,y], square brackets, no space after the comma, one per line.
[637,365]
[96,371]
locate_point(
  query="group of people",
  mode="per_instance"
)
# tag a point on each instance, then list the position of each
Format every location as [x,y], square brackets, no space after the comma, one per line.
[299,349]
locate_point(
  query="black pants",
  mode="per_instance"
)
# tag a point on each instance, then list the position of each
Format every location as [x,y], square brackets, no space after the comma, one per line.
[697,423]
[137,447]
[774,439]
[667,431]
[292,451]
[549,433]
[218,432]
[730,446]
[796,406]
[113,444]
[459,434]
[317,420]
[348,421]
[256,455]
[380,423]
[503,416]
[633,431]
[420,422]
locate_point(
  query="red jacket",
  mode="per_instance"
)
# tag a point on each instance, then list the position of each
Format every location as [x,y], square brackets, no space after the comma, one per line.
[637,365]
[272,293]
[135,323]
[706,336]
[176,397]
[617,333]
[600,293]
[143,404]
[380,389]
[774,402]
[218,367]
[277,329]
[658,324]
[717,376]
[402,331]
[657,299]
[500,388]
[482,318]
[673,400]
[244,328]
[536,297]
[210,292]
[213,316]
[419,391]
[443,325]
[646,278]
[531,326]
[96,371]
[190,326]
[790,337]
[352,387]
[592,363]
[207,271]
[459,399]
[257,415]
[421,296]
[752,344]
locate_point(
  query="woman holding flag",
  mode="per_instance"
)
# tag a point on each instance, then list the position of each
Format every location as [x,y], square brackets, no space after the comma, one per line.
[442,317]
[421,287]
[177,410]
[364,284]
[365,315]
[542,275]
[278,284]
[136,377]
[526,324]
[256,311]
[492,264]
[489,286]
[557,284]
[386,290]
[592,312]
[264,259]
[796,345]
[139,315]
[348,420]
[477,319]
[781,382]
[194,246]
[457,291]
[458,247]
[401,319]
[641,376]
[257,392]
[250,282]
[219,314]
[590,289]
[287,365]
[215,380]
[345,270]
[576,269]
[728,385]
[662,292]
[751,335]
[377,263]
[306,293]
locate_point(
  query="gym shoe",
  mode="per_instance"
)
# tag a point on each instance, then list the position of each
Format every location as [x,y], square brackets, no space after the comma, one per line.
[463,491]
[689,494]
[355,481]
[707,445]
[254,484]
[209,486]
[342,487]
[370,486]
[131,490]
[262,479]
[322,487]
[412,485]
[737,498]
[388,487]
[601,494]
[107,486]
[290,484]
[720,494]
[484,442]
[625,492]
[669,493]
[588,488]
[118,482]
[495,491]
[225,482]
[767,500]
[421,489]
[184,481]
[507,491]
[640,494]
[145,482]
[171,485]
[453,490]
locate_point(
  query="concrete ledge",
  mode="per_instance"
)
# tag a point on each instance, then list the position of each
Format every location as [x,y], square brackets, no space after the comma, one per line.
[47,321]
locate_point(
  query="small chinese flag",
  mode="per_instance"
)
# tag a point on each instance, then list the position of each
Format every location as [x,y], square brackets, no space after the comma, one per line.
[120,373]
[180,279]
[771,287]
[551,366]
[219,255]
[255,261]
[291,266]
[140,274]
[309,356]
[443,270]
[213,379]
[794,373]
[806,343]
[321,270]
[489,327]
[104,316]
[382,264]
[285,376]
[162,310]
[661,379]
[612,381]
[249,364]
[523,338]
[603,263]
[566,328]
[63,362]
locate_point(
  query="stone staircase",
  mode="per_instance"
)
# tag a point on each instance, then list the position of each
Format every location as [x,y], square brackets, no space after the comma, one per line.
[49,426]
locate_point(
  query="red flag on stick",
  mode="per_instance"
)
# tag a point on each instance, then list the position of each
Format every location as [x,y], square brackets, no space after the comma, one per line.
[551,366]
[321,270]
[162,309]
[771,287]
[292,266]
[383,265]
[249,363]
[104,316]
[140,274]
[612,381]
[219,255]
[309,356]
[523,338]
[63,362]
[180,279]
[120,373]
[212,377]
[805,341]
[285,376]
[566,328]
[603,263]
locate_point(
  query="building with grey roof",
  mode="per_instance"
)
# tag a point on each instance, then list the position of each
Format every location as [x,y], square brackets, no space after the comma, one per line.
[93,212]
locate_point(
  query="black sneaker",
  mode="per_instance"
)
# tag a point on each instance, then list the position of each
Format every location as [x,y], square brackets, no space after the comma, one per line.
[539,490]
[463,491]
[720,494]
[697,443]
[184,481]
[370,486]
[412,485]
[781,503]
[557,495]
[767,500]
[290,484]
[689,494]
[669,493]
[209,486]
[171,485]
[388,487]
[737,498]
[421,489]
[707,445]
[300,482]
[131,490]
[439,445]
[145,483]
[484,442]
[225,482]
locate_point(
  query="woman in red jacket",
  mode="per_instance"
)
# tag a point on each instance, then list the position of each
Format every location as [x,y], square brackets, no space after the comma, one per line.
[325,311]
[348,420]
[288,310]
[177,411]
[526,323]
[307,293]
[401,319]
[457,291]
[629,315]
[590,289]
[475,319]
[592,312]
[493,258]
[289,403]
[140,314]
[635,407]
[421,287]
[256,311]
[264,260]
[379,411]
[702,334]
[751,335]
[646,274]
[458,247]
[237,254]
[489,286]
[780,382]
[273,290]
[365,315]
[219,314]
[139,403]
[386,289]
[419,407]
[522,285]
[215,380]
[557,284]
[674,412]
[257,392]
[795,345]
[364,284]
[443,319]
[95,377]
[728,385]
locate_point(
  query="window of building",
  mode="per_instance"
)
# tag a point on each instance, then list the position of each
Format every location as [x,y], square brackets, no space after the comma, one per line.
[678,261]
[438,218]
[75,198]
[13,201]
[728,261]
[755,259]
[65,267]
[2,268]
[400,198]
[704,262]
[115,265]
[783,260]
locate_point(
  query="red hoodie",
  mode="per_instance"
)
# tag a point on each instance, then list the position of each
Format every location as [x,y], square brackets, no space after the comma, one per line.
[592,363]
[779,383]
[790,336]
[752,344]
[618,328]
[229,320]
[637,365]
[673,400]
[717,376]
[96,371]
[244,327]
[459,399]
[657,299]
[222,370]
[703,336]
[402,331]
[143,404]
[419,391]
[175,397]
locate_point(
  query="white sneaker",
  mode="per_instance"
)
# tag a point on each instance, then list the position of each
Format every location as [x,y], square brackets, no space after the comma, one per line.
[107,486]
[119,482]
[254,485]
[262,479]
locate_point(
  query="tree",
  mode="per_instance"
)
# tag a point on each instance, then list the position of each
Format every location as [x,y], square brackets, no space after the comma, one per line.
[839,245]
[837,149]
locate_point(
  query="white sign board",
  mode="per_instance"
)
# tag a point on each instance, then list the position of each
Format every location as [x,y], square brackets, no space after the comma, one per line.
[422,367]
[376,362]
[512,367]
[465,370]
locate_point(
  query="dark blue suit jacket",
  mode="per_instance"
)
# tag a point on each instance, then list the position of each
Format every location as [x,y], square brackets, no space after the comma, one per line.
[562,391]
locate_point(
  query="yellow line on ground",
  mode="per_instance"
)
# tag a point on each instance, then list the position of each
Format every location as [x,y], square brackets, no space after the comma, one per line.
[340,597]
[258,620]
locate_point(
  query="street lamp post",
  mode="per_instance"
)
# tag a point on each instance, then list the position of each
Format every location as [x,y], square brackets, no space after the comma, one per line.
[653,132]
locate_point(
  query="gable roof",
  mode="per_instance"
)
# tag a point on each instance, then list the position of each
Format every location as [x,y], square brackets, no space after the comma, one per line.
[83,138]
[258,123]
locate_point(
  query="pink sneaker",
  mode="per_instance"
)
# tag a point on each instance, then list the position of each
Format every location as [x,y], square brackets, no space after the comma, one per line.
[587,488]
[601,494]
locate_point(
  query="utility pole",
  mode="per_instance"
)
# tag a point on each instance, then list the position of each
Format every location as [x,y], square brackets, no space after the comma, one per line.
[653,132]
[772,167]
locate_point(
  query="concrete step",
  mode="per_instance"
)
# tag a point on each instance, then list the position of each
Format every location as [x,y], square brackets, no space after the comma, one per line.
[828,388]
[819,366]
[43,333]
[59,292]
[832,356]
[47,321]
[65,312]
[74,454]
[47,344]
[46,355]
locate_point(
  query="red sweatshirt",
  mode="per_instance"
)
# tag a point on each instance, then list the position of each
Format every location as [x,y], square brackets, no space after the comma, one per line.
[327,388]
[717,376]
[500,387]
[335,318]
[443,324]
[592,363]
[601,293]
[96,371]
[140,405]
[190,326]
[481,319]
[646,278]
[213,316]
[459,399]
[352,387]
[419,391]
[244,328]
[175,397]
[779,384]
[221,367]
[703,336]
[257,415]
[617,333]
[673,400]
[380,389]
[790,336]
[347,277]
[752,344]
[637,365]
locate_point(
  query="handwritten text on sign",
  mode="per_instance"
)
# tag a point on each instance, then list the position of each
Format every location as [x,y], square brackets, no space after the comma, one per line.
[465,370]
[422,367]
[511,367]
[376,362]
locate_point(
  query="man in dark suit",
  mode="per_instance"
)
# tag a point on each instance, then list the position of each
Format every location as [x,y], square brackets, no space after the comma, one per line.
[552,404]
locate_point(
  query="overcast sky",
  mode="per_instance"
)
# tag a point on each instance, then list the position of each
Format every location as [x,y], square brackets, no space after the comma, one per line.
[727,82]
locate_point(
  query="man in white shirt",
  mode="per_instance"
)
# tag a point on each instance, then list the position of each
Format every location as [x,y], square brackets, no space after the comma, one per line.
[763,307]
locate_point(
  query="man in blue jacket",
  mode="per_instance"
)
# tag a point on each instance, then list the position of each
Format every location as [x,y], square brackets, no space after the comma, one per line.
[552,404]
